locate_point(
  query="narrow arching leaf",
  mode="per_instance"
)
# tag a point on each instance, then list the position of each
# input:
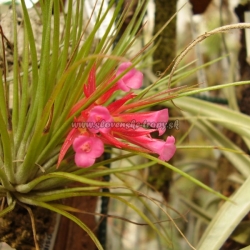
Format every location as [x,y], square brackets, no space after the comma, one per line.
[8,209]
[227,219]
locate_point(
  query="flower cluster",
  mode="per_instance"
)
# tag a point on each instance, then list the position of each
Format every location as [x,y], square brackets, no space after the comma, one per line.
[88,142]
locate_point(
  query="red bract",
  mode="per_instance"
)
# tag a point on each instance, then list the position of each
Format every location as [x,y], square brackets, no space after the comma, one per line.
[114,125]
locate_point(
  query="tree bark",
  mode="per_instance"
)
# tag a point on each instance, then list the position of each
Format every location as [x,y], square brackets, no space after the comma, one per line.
[159,176]
[166,49]
[70,236]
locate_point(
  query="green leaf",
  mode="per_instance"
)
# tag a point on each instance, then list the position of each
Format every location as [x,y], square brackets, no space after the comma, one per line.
[219,114]
[197,210]
[25,188]
[7,209]
[5,181]
[3,100]
[240,161]
[205,111]
[7,144]
[226,220]
[189,177]
[242,233]
[15,105]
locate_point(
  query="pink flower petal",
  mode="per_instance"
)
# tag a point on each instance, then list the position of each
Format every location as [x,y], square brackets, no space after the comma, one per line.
[87,150]
[83,161]
[132,80]
[167,151]
[98,120]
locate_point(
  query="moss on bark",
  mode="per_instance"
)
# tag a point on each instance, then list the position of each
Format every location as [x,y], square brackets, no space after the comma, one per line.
[166,49]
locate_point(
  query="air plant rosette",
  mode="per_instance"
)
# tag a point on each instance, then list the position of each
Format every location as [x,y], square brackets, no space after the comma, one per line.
[71,102]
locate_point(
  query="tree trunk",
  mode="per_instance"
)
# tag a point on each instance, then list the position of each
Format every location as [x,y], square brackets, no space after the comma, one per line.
[159,176]
[70,236]
[166,49]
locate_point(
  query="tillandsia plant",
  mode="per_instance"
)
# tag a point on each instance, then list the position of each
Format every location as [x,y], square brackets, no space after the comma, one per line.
[71,95]
[57,90]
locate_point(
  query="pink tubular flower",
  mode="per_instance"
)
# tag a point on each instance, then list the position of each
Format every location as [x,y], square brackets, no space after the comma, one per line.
[87,150]
[131,80]
[165,149]
[100,118]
